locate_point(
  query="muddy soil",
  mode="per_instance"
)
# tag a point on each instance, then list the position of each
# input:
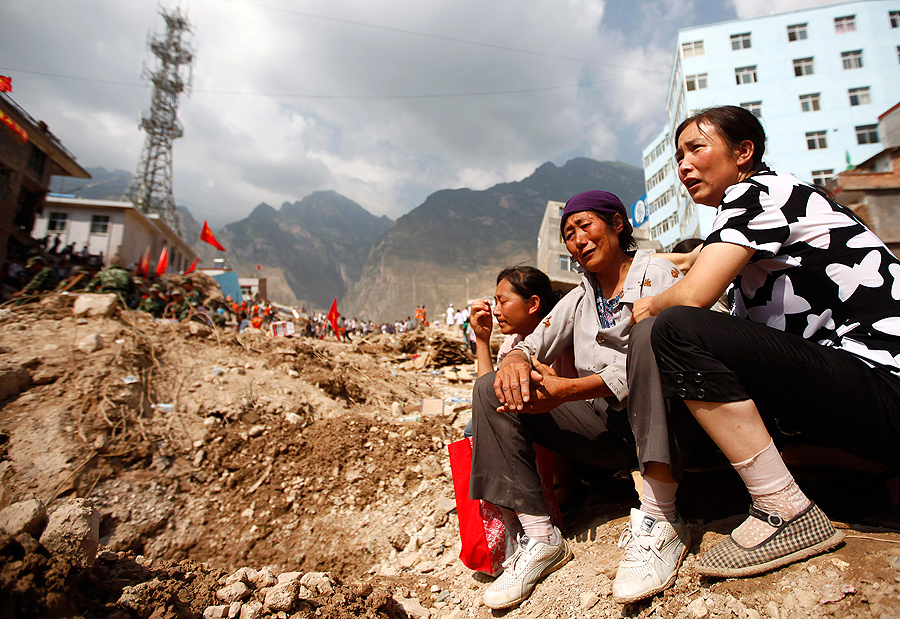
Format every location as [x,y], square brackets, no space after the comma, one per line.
[206,452]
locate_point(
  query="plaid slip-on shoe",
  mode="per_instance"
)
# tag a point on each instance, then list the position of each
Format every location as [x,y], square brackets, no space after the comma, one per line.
[807,534]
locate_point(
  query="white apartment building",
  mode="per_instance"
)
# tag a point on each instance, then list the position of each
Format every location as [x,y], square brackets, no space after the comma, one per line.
[818,79]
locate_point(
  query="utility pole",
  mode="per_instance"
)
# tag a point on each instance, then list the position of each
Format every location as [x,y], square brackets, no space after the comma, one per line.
[151,189]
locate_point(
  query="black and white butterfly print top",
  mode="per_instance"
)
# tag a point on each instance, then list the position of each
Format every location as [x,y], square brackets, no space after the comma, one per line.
[817,272]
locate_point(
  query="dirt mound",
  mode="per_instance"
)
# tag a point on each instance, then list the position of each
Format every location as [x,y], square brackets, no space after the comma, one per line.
[206,452]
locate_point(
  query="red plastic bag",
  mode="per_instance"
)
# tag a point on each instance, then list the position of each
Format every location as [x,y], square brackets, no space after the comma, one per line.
[486,535]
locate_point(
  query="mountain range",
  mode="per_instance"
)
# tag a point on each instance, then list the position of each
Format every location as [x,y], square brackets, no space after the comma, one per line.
[446,250]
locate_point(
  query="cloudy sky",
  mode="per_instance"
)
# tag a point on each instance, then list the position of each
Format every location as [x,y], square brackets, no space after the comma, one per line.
[384,101]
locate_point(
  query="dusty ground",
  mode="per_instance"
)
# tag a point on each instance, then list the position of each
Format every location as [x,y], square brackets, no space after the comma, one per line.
[206,452]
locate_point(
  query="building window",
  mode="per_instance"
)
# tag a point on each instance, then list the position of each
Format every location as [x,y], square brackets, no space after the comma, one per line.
[745,75]
[754,107]
[804,66]
[859,96]
[740,41]
[566,263]
[99,224]
[845,24]
[867,134]
[797,32]
[895,18]
[821,177]
[816,140]
[852,59]
[691,49]
[810,102]
[562,210]
[56,222]
[695,82]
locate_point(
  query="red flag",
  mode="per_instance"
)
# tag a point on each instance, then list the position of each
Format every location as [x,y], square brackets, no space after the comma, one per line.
[258,268]
[5,84]
[207,235]
[193,266]
[163,263]
[332,318]
[144,265]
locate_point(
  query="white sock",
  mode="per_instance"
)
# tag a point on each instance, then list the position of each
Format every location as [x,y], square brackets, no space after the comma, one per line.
[539,528]
[658,499]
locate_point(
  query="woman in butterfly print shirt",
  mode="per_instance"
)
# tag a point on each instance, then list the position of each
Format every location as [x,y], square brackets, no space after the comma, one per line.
[817,362]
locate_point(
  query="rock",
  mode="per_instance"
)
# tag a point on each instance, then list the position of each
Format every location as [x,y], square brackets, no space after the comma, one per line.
[426,566]
[214,612]
[697,609]
[289,577]
[252,610]
[281,597]
[318,581]
[413,608]
[431,467]
[894,562]
[805,599]
[245,575]
[234,610]
[107,556]
[265,578]
[90,343]
[95,305]
[233,592]
[398,538]
[24,517]
[199,457]
[442,511]
[293,418]
[28,543]
[589,599]
[196,329]
[256,430]
[73,530]
[13,381]
[772,610]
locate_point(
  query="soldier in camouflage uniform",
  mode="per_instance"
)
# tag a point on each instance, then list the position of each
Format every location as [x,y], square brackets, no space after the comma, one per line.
[190,295]
[43,278]
[116,280]
[154,303]
[178,308]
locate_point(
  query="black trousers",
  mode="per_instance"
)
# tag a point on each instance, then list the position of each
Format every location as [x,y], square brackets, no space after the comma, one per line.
[805,392]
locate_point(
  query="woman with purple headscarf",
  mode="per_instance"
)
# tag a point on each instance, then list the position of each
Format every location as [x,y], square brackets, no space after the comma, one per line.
[585,418]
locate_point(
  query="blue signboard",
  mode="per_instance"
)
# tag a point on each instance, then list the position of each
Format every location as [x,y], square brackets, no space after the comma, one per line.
[639,213]
[228,282]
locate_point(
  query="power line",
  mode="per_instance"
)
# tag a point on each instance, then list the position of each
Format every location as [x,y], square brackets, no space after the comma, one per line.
[442,37]
[295,95]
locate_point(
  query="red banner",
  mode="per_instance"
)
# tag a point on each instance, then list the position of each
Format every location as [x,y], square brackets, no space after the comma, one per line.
[207,236]
[163,263]
[332,318]
[193,266]
[5,84]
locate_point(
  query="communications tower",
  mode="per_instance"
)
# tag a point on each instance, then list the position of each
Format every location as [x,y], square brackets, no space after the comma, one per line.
[151,188]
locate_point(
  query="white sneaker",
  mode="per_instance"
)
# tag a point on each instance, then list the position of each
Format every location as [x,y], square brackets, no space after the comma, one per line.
[653,551]
[532,561]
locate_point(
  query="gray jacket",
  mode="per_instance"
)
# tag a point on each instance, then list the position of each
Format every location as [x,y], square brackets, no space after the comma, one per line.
[574,321]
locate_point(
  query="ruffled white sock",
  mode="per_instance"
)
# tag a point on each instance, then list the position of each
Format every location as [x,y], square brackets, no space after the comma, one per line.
[773,490]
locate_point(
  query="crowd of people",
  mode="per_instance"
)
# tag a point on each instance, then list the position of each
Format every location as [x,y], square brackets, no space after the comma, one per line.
[633,369]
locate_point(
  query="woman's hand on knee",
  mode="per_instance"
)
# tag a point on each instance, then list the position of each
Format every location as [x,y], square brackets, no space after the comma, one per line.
[512,381]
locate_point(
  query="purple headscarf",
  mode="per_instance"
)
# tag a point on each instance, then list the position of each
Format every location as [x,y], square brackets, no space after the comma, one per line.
[597,201]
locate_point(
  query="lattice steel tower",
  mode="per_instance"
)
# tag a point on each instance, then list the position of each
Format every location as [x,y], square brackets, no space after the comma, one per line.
[151,188]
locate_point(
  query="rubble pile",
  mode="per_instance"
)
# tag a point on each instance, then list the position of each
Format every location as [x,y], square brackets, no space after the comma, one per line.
[190,472]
